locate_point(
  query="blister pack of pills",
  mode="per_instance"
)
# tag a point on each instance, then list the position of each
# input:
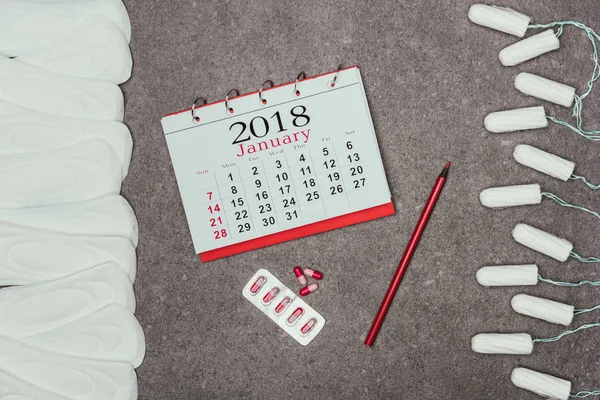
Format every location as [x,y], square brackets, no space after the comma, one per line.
[283,306]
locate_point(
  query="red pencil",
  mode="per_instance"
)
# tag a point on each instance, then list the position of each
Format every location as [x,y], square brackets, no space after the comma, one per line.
[408,253]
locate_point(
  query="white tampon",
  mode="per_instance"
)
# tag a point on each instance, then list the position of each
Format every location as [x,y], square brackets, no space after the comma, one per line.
[529,48]
[541,241]
[548,310]
[545,89]
[516,120]
[508,275]
[76,173]
[542,384]
[23,130]
[502,343]
[29,25]
[50,92]
[507,196]
[542,161]
[499,18]
[96,49]
[29,256]
[109,215]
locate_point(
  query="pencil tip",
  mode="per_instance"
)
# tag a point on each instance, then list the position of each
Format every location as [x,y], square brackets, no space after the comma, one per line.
[444,173]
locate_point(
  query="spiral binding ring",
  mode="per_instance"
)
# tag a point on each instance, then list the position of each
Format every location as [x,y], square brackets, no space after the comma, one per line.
[263,101]
[196,118]
[303,75]
[336,75]
[227,108]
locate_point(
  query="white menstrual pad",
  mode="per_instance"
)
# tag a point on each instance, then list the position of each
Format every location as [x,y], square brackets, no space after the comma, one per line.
[37,308]
[71,377]
[110,215]
[96,49]
[50,92]
[30,256]
[29,25]
[80,172]
[111,333]
[12,388]
[23,131]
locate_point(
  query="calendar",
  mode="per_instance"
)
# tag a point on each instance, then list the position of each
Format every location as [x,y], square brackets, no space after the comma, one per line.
[279,164]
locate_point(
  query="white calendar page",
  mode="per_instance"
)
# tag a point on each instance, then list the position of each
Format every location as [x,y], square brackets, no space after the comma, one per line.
[260,174]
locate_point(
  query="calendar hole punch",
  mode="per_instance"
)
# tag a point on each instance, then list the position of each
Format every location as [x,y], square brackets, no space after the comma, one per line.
[263,101]
[301,76]
[228,109]
[196,118]
[333,81]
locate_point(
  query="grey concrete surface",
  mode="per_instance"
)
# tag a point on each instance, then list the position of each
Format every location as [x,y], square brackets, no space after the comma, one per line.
[430,76]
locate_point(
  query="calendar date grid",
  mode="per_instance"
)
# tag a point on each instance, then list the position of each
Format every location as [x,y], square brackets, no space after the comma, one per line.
[264,198]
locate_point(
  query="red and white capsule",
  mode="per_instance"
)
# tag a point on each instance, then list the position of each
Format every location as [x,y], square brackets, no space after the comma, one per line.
[295,316]
[283,304]
[271,294]
[257,285]
[308,326]
[300,275]
[313,274]
[306,290]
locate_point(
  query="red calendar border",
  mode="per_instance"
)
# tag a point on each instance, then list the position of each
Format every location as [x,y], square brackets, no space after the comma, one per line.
[383,210]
